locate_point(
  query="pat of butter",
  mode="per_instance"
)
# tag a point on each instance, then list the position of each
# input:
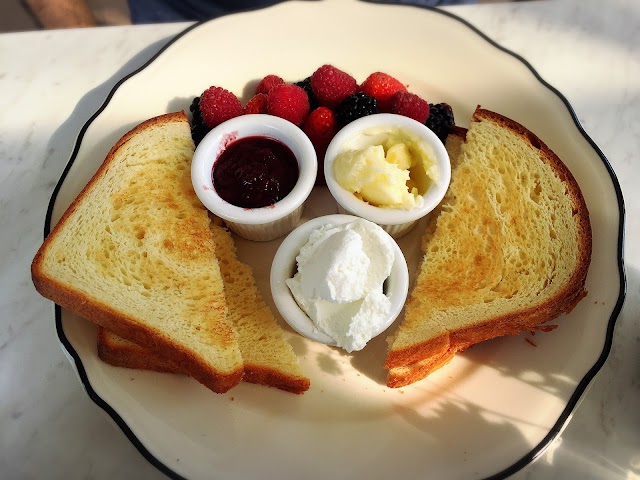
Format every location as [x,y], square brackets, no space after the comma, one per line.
[386,167]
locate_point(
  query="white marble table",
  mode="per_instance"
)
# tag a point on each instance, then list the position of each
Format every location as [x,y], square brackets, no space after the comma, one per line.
[52,82]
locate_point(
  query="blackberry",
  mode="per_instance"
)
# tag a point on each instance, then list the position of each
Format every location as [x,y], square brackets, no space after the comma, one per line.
[306,86]
[440,119]
[355,106]
[198,128]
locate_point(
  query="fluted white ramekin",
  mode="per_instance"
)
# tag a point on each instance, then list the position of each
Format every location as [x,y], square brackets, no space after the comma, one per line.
[284,266]
[266,223]
[394,221]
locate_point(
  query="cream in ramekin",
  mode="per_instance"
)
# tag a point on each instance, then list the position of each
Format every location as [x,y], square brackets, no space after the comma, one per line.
[346,280]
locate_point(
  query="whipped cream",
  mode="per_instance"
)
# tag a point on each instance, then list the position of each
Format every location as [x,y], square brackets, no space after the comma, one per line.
[339,282]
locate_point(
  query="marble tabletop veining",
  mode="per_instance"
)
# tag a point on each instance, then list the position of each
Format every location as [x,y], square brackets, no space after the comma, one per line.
[51,82]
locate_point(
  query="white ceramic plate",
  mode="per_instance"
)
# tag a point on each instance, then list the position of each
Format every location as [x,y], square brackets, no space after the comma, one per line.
[494,408]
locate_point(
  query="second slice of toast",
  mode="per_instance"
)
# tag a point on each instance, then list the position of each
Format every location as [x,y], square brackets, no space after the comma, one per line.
[507,250]
[268,357]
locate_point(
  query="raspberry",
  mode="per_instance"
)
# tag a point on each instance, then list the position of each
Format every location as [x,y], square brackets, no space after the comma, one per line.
[267,83]
[289,102]
[410,105]
[382,86]
[440,119]
[198,128]
[355,106]
[320,126]
[258,104]
[306,86]
[218,105]
[331,86]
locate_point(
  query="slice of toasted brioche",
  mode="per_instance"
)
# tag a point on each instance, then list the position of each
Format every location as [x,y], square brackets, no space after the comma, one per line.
[508,249]
[135,254]
[120,352]
[268,357]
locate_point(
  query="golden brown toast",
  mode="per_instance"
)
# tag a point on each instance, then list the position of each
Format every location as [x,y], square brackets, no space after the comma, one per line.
[268,358]
[508,249]
[134,253]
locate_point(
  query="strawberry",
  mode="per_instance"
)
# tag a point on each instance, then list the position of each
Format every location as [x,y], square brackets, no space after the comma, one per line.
[382,86]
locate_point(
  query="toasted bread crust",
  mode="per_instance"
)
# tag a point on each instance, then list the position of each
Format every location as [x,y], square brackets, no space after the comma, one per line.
[403,376]
[416,361]
[131,355]
[106,316]
[260,375]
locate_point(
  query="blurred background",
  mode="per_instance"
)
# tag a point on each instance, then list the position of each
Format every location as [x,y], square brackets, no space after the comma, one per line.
[21,15]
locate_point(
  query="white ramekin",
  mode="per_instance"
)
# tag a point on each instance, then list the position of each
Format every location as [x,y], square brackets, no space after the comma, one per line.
[284,266]
[394,221]
[259,224]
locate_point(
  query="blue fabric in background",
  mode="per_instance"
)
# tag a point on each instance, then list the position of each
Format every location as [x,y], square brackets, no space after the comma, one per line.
[159,11]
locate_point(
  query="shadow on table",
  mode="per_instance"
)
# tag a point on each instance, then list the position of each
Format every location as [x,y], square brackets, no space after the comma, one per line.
[65,139]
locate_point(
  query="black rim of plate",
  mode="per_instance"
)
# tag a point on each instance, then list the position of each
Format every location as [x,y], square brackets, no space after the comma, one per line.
[573,401]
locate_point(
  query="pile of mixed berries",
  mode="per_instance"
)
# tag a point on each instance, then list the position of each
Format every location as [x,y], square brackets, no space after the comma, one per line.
[320,104]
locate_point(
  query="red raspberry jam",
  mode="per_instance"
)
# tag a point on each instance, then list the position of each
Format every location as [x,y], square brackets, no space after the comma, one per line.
[255,172]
